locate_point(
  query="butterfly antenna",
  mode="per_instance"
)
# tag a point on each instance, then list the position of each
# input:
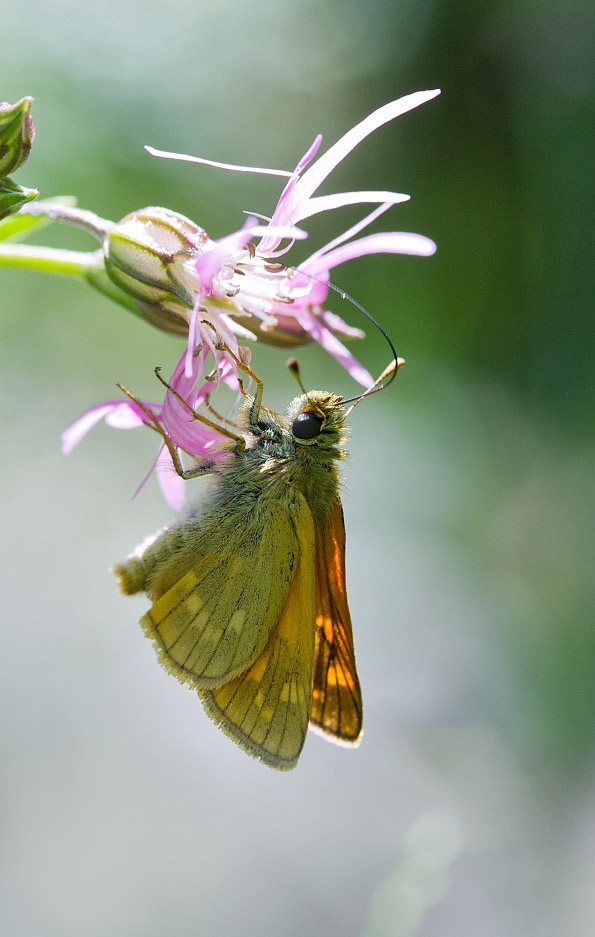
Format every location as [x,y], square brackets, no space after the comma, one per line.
[389,373]
[294,366]
[371,318]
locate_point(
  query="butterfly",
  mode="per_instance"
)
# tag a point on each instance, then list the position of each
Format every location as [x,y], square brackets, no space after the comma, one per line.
[249,595]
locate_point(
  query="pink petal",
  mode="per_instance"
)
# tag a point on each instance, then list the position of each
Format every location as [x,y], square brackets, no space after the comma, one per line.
[304,289]
[395,242]
[173,488]
[209,263]
[118,413]
[186,432]
[313,206]
[128,415]
[309,154]
[210,162]
[351,232]
[325,164]
[334,347]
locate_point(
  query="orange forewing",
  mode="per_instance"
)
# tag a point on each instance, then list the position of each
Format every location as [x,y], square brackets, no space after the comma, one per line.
[336,695]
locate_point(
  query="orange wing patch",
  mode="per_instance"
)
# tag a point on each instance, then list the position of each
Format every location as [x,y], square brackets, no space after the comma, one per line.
[336,694]
[265,710]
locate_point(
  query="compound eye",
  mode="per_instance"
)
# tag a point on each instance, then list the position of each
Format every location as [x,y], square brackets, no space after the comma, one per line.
[306,426]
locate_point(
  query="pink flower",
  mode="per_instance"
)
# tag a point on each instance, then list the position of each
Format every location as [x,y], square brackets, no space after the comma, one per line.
[242,290]
[202,442]
[239,282]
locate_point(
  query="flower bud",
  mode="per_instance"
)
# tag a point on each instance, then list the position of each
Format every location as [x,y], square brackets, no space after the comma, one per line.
[150,254]
[16,135]
[13,196]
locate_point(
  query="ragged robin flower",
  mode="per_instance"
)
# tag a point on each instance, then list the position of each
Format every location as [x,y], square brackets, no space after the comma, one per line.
[232,288]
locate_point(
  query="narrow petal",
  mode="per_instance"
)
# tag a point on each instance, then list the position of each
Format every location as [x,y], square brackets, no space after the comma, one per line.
[313,206]
[173,488]
[210,162]
[186,432]
[128,415]
[118,413]
[144,481]
[306,158]
[209,263]
[384,243]
[351,232]
[309,154]
[293,204]
[324,165]
[334,347]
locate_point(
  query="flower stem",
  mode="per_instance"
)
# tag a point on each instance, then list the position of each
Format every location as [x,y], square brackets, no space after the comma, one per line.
[79,217]
[51,259]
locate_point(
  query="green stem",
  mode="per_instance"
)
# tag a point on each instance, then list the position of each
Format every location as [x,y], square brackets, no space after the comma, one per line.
[79,217]
[51,259]
[75,263]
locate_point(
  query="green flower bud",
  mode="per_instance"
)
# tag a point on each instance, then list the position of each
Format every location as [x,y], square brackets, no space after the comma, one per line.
[149,254]
[12,196]
[16,135]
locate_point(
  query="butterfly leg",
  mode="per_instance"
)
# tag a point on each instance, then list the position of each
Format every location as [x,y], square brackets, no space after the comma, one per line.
[257,399]
[203,469]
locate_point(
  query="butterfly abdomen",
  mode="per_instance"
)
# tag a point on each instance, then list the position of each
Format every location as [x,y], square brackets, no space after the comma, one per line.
[136,574]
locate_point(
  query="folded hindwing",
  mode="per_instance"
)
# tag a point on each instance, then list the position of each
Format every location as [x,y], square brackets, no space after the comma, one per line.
[216,620]
[266,709]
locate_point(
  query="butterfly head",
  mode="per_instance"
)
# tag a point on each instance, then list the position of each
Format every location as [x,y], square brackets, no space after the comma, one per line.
[317,419]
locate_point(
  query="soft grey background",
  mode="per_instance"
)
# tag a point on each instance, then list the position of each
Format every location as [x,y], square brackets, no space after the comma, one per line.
[468,809]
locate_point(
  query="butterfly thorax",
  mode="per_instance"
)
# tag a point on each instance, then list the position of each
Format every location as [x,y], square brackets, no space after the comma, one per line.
[276,454]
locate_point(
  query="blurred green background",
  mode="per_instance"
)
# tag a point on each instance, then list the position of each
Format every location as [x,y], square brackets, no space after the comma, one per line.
[468,810]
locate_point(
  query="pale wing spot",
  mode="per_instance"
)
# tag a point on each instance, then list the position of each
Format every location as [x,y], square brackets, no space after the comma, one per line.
[258,669]
[261,728]
[173,626]
[251,711]
[293,693]
[211,635]
[236,622]
[277,728]
[183,646]
[194,603]
[241,707]
[284,694]
[198,656]
[268,713]
[196,626]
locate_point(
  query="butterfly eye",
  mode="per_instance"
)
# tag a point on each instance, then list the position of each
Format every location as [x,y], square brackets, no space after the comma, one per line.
[306,426]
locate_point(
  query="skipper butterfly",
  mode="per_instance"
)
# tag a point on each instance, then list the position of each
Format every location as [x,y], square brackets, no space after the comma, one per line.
[249,597]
